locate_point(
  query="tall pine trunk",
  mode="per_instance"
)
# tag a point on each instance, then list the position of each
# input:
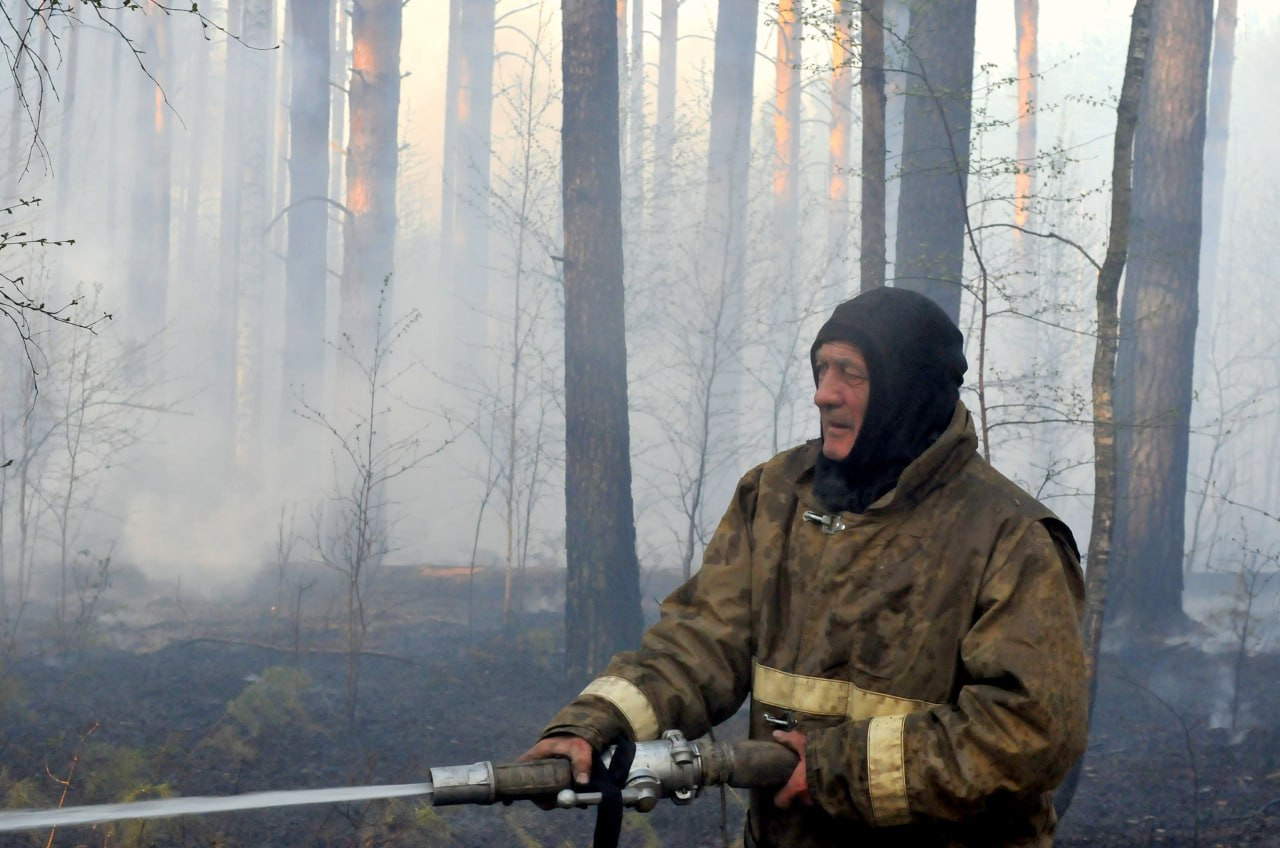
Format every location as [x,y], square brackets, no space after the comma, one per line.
[839,146]
[465,205]
[635,98]
[729,151]
[254,175]
[1217,134]
[874,150]
[372,166]
[192,249]
[449,142]
[602,599]
[786,130]
[1158,314]
[620,21]
[223,342]
[18,152]
[306,260]
[1026,22]
[895,25]
[68,138]
[722,256]
[339,91]
[149,209]
[664,134]
[935,152]
[340,77]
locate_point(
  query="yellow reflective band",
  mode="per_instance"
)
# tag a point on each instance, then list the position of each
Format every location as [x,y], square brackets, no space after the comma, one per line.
[823,697]
[887,771]
[630,701]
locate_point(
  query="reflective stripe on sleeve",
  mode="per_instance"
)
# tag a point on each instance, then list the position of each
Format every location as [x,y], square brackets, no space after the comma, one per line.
[887,771]
[630,701]
[822,697]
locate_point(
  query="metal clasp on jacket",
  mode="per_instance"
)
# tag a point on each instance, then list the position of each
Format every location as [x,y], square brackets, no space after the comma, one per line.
[786,720]
[830,523]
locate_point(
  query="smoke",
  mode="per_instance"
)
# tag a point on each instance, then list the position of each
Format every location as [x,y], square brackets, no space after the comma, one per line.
[171,503]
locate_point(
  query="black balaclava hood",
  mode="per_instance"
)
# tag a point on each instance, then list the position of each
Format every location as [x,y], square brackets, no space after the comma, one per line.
[915,359]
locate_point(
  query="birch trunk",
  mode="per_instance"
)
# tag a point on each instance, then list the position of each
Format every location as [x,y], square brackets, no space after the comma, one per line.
[1098,558]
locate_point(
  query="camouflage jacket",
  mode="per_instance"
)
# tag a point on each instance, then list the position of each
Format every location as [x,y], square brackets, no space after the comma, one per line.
[930,649]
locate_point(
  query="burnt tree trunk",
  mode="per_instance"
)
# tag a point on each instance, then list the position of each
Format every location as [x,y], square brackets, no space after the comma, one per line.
[372,165]
[935,152]
[602,598]
[1158,322]
[340,85]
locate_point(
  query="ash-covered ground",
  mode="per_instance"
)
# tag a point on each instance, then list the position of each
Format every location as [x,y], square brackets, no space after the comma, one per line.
[167,695]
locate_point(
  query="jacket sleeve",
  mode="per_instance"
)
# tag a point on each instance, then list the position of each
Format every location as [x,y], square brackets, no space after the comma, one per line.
[693,668]
[1017,724]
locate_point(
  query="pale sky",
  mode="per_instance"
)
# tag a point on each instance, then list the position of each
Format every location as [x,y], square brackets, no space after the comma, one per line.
[1067,28]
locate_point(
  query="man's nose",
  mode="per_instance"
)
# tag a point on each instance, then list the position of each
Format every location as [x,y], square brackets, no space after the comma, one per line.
[825,394]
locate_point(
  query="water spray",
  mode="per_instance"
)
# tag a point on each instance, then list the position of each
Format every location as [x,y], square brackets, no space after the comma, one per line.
[671,767]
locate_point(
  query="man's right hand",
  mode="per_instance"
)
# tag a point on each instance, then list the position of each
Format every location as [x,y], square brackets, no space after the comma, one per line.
[572,748]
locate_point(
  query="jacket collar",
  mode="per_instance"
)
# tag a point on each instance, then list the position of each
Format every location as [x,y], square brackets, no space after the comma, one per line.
[940,463]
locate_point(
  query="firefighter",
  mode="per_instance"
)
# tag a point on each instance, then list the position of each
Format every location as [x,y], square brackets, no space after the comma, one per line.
[901,615]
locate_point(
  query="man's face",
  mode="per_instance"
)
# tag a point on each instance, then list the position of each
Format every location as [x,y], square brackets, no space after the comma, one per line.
[844,388]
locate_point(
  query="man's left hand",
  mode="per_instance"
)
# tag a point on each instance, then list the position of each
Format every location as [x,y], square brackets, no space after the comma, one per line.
[797,786]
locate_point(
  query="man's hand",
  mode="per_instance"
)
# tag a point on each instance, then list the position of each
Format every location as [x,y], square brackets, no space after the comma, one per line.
[572,748]
[797,786]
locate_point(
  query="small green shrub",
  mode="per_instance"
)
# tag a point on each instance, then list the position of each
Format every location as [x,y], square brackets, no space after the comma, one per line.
[25,793]
[271,702]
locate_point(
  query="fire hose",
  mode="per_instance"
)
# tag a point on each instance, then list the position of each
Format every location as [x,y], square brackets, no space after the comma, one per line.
[671,767]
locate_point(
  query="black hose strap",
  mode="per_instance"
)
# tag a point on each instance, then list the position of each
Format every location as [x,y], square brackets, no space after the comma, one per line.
[609,783]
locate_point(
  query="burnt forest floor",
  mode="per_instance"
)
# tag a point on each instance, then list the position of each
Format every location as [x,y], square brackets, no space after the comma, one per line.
[212,698]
